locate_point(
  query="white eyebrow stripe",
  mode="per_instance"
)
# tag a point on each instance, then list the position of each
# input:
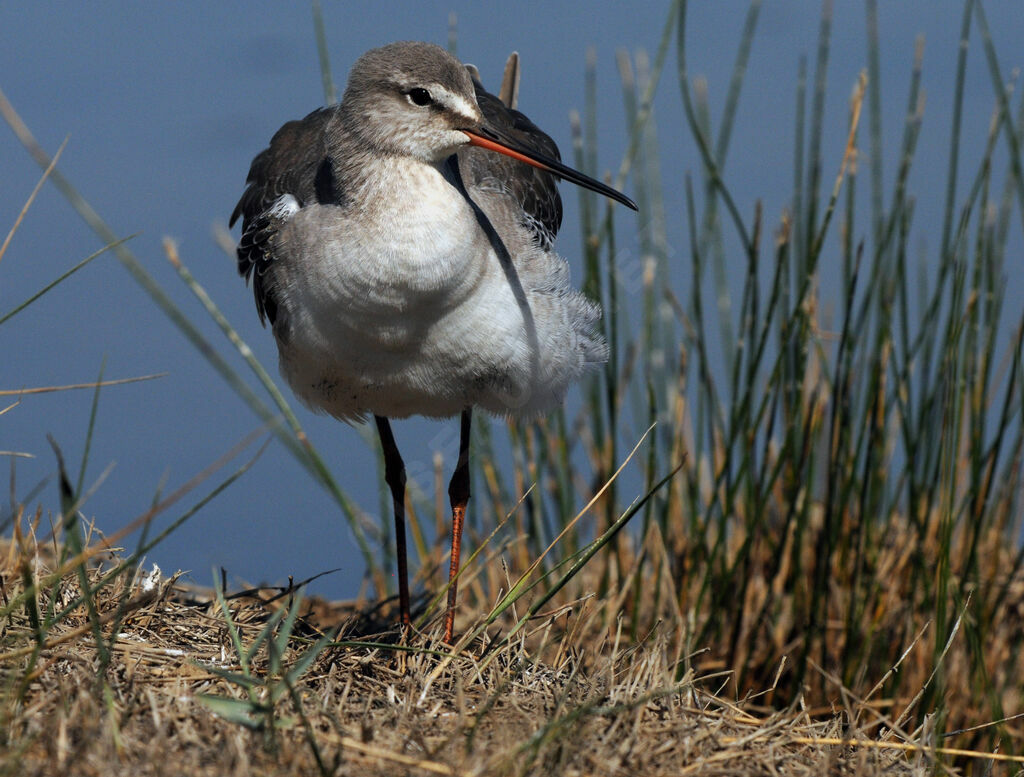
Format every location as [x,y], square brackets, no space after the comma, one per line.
[455,102]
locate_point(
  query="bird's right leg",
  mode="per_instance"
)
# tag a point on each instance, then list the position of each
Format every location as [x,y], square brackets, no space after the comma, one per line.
[394,476]
[458,492]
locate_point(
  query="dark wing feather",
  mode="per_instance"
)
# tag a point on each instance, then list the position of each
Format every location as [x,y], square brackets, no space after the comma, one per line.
[288,166]
[295,163]
[255,253]
[535,190]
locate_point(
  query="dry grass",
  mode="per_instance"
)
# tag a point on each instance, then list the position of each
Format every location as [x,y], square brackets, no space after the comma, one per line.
[557,701]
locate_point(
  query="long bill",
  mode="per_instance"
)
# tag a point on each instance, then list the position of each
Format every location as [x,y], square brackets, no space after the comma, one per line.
[488,138]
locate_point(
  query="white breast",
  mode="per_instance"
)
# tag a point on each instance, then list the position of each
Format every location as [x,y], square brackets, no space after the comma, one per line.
[384,298]
[401,306]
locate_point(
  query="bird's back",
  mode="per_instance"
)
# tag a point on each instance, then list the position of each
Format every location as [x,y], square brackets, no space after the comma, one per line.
[533,192]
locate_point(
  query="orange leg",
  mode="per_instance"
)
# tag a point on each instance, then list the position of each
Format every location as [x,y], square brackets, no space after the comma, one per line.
[394,476]
[458,493]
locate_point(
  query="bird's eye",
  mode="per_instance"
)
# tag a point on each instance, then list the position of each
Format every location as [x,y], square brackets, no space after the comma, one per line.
[420,96]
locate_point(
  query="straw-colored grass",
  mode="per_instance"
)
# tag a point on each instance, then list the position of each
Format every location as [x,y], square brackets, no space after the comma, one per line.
[555,702]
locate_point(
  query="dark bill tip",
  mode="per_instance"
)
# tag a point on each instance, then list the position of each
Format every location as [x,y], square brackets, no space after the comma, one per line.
[490,139]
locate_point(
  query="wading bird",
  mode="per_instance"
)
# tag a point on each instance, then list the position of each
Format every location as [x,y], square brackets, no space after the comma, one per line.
[400,244]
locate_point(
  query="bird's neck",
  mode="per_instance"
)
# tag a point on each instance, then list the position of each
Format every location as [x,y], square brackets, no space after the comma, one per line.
[405,186]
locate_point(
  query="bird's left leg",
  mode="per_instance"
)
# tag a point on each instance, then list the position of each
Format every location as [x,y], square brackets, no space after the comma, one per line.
[394,475]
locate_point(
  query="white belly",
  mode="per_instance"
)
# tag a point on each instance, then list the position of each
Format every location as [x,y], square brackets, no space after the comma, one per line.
[408,310]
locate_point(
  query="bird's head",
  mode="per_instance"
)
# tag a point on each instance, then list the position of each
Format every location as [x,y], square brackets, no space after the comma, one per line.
[411,99]
[417,100]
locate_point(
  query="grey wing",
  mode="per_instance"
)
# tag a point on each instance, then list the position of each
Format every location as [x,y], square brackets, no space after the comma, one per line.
[294,166]
[534,191]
